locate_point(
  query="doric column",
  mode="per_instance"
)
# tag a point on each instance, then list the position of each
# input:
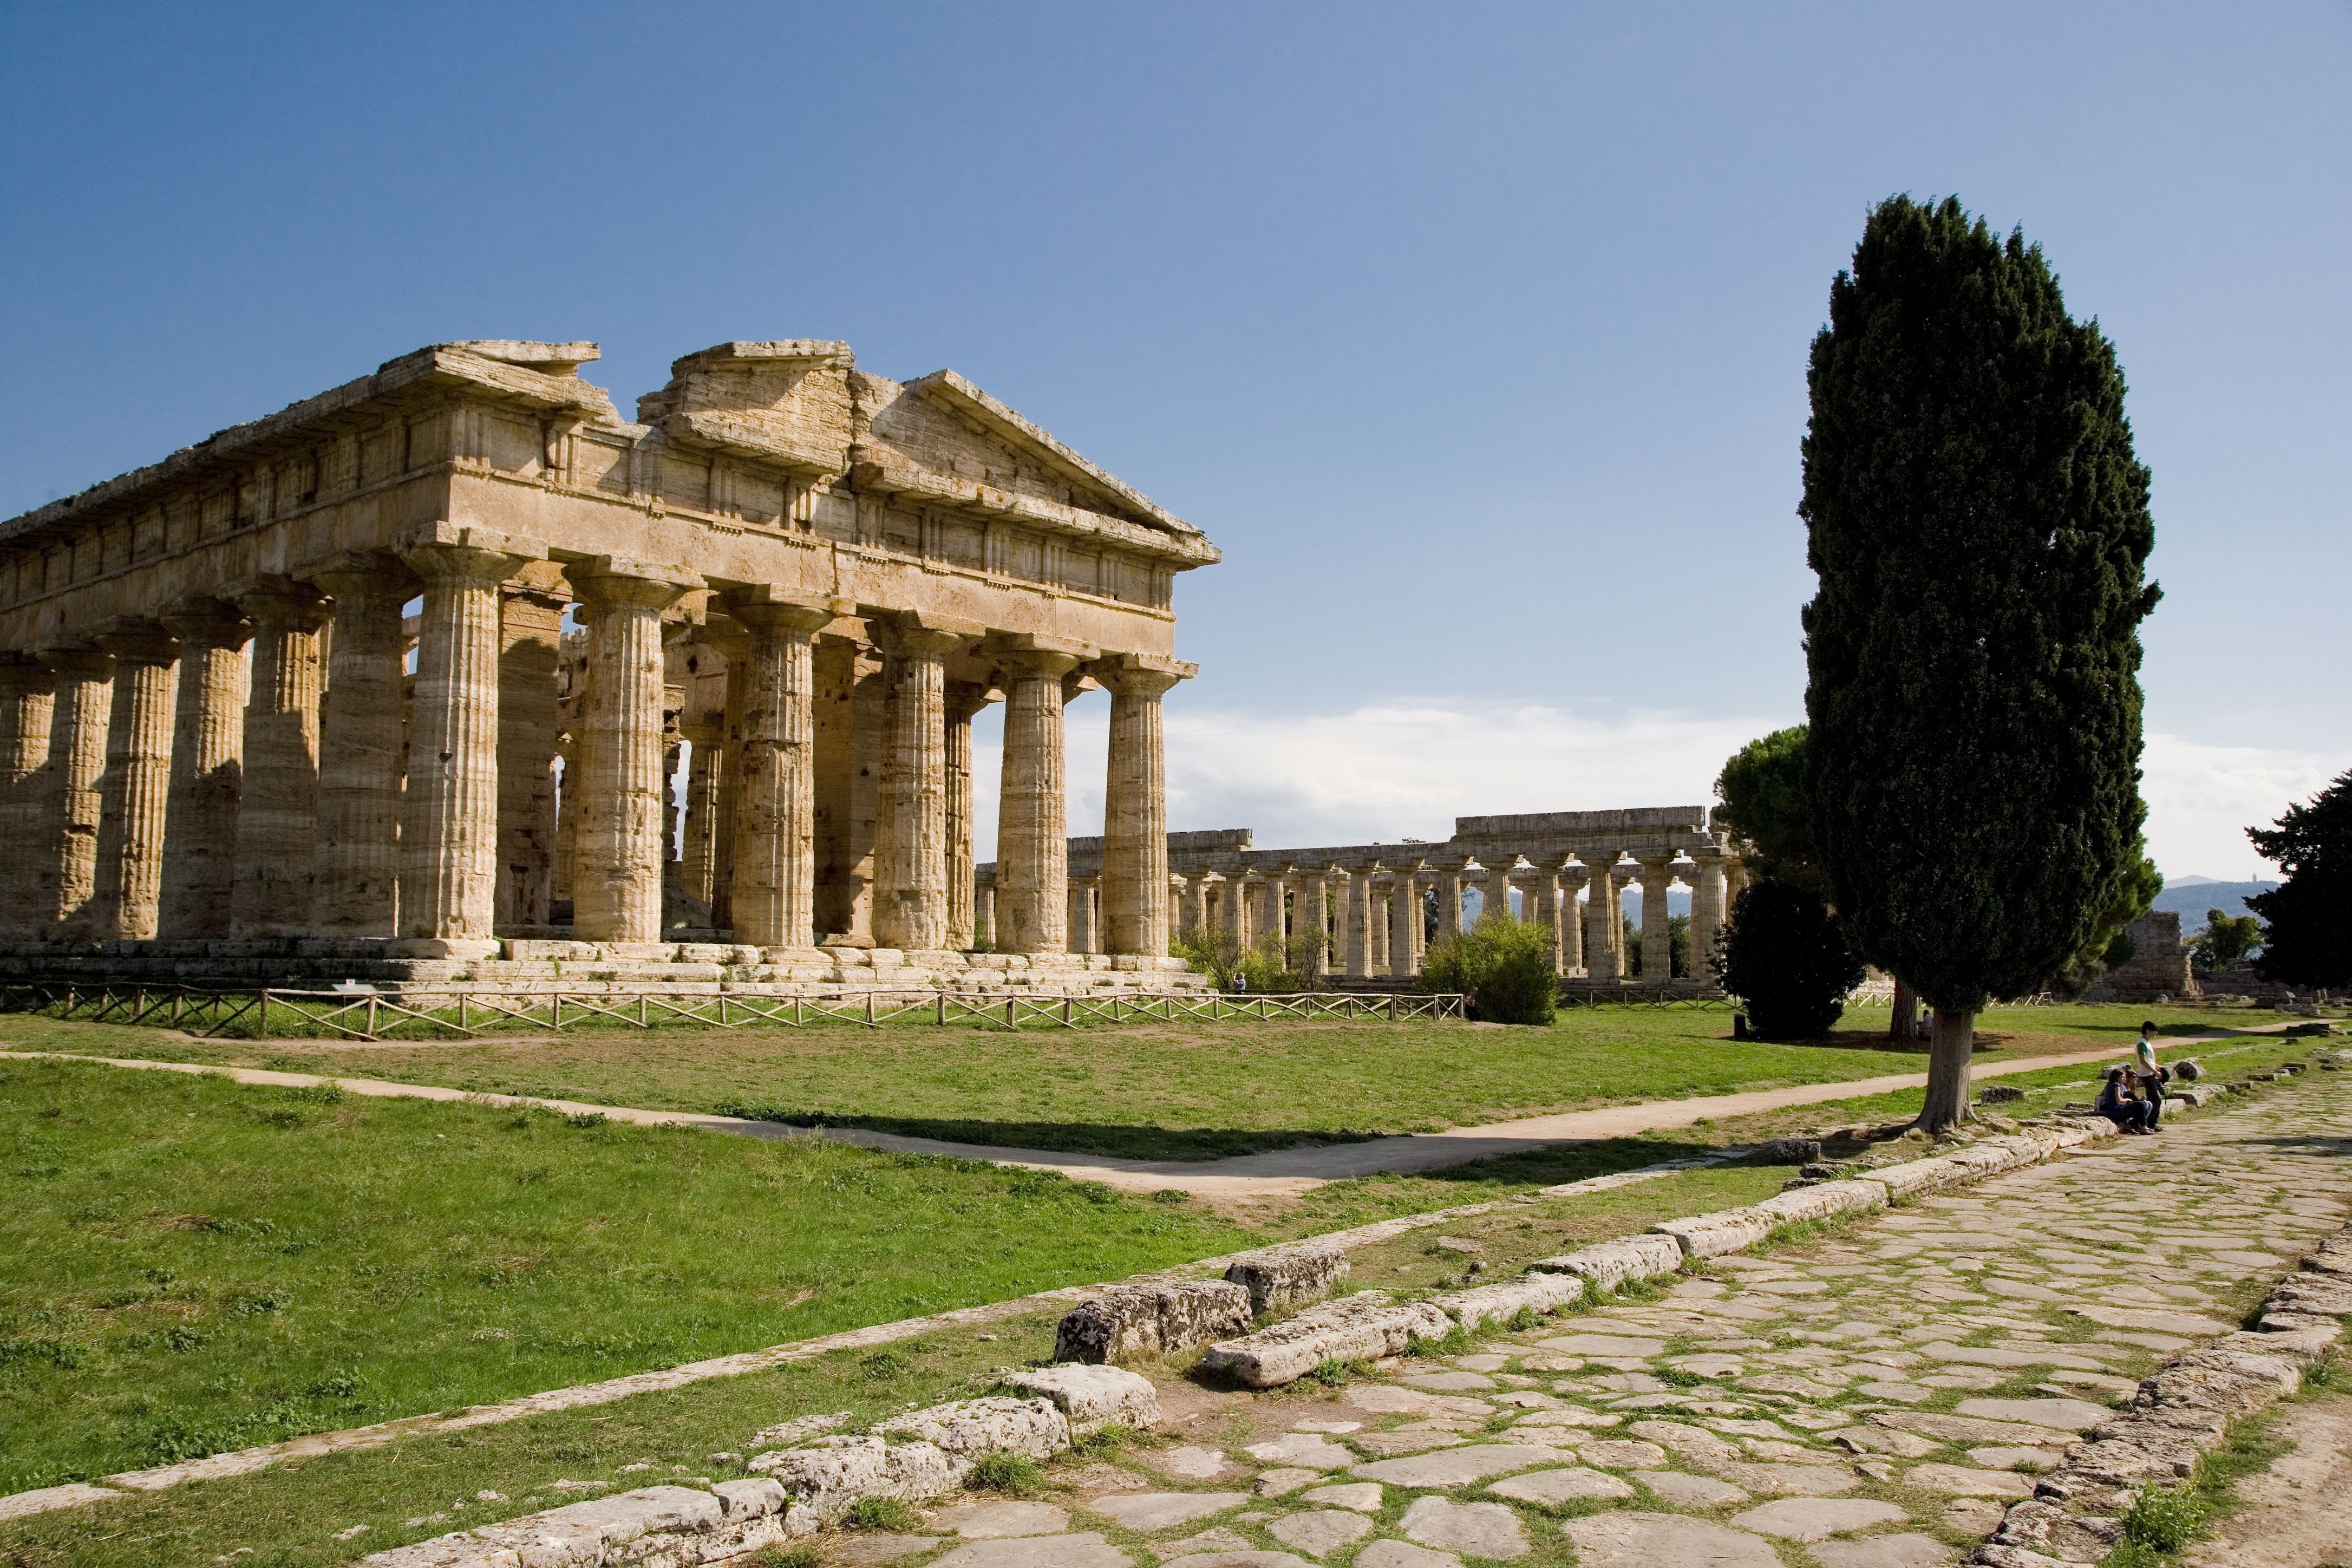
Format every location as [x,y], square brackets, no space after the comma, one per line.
[734,645]
[1571,922]
[1604,958]
[449,808]
[965,699]
[1356,933]
[278,821]
[27,705]
[984,915]
[199,889]
[1657,936]
[774,893]
[1273,896]
[1082,913]
[1404,924]
[910,846]
[65,870]
[1706,918]
[1449,904]
[530,637]
[1135,803]
[620,851]
[702,771]
[1546,907]
[1498,883]
[1375,931]
[1032,844]
[1310,916]
[1239,895]
[135,790]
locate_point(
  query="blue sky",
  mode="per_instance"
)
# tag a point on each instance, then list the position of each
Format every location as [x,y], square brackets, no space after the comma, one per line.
[1475,335]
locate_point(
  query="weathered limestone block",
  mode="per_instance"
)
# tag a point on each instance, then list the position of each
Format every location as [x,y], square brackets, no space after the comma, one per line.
[1507,1298]
[1091,1397]
[1033,855]
[1608,1263]
[968,1428]
[619,847]
[135,787]
[653,1527]
[1135,804]
[1823,1201]
[2232,1381]
[277,818]
[2037,1526]
[910,846]
[200,850]
[65,869]
[1712,1234]
[1141,1319]
[1912,1178]
[1282,1278]
[824,1477]
[1365,1325]
[358,863]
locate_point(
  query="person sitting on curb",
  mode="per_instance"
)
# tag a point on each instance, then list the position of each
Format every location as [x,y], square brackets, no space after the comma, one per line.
[2152,1075]
[2117,1104]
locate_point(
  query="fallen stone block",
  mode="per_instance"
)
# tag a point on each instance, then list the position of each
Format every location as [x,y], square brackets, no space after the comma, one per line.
[1366,1325]
[1822,1201]
[1913,1178]
[1610,1262]
[1999,1094]
[1282,1279]
[824,1477]
[1507,1298]
[1091,1397]
[1713,1235]
[1791,1151]
[968,1428]
[2232,1381]
[655,1527]
[1150,1319]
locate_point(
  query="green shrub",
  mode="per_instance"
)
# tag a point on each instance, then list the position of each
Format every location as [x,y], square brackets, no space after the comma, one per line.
[1507,963]
[1787,961]
[880,1513]
[1002,1472]
[2163,1519]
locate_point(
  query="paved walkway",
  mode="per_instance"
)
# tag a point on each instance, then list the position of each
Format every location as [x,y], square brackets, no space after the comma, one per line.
[1280,1172]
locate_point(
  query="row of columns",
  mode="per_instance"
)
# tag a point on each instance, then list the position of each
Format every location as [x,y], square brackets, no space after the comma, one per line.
[158,784]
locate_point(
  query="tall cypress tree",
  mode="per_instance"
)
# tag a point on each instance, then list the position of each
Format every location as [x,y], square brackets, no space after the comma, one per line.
[1980,527]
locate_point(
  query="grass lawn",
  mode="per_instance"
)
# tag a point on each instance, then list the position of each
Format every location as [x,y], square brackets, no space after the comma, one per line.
[1152,1091]
[189,1265]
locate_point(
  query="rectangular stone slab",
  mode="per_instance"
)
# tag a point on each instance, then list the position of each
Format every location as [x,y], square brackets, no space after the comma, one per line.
[1364,1326]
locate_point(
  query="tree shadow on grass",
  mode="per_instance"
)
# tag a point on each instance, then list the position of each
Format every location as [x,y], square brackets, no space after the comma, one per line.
[1126,1141]
[1552,1164]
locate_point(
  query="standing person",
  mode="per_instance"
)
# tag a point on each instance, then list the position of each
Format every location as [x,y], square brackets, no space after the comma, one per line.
[2116,1104]
[2151,1074]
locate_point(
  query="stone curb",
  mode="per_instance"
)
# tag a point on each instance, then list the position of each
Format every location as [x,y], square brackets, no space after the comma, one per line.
[2178,1416]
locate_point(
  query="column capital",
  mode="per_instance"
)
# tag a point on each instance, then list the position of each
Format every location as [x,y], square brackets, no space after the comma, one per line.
[135,641]
[764,607]
[359,574]
[82,658]
[25,673]
[466,554]
[200,620]
[621,581]
[967,698]
[909,633]
[279,601]
[1035,654]
[1140,674]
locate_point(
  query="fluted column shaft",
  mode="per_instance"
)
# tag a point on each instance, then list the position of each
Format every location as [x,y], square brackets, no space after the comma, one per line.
[27,704]
[1031,845]
[278,819]
[1544,908]
[135,790]
[1082,914]
[1310,918]
[773,884]
[530,636]
[1135,804]
[65,870]
[1236,911]
[1658,932]
[1498,887]
[1571,922]
[911,843]
[1604,958]
[449,809]
[984,915]
[1359,944]
[1273,923]
[1404,925]
[1706,918]
[620,851]
[1449,906]
[702,771]
[964,702]
[199,889]
[357,863]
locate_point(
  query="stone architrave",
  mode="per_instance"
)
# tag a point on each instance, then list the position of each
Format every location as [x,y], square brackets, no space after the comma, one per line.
[1033,854]
[278,817]
[530,633]
[965,699]
[619,852]
[197,900]
[65,869]
[1135,803]
[449,809]
[27,704]
[910,849]
[134,791]
[1657,934]
[357,867]
[774,884]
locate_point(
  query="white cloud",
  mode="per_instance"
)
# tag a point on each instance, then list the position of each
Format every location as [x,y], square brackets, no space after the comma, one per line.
[1408,768]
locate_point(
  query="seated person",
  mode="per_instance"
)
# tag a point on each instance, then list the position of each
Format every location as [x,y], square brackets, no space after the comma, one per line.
[2119,1105]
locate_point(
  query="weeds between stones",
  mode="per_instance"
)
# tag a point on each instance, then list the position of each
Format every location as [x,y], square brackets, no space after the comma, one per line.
[1105,1441]
[1012,1474]
[2162,1519]
[784,1557]
[887,1513]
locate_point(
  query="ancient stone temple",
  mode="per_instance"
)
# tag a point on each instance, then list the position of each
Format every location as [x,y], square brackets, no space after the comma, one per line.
[393,683]
[1372,899]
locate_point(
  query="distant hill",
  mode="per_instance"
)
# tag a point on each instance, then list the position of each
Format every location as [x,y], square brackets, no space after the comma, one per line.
[2193,896]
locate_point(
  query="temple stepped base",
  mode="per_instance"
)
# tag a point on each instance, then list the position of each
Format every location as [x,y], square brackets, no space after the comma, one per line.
[525,966]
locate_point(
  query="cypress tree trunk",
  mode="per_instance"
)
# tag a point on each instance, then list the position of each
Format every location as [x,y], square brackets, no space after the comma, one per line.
[1905,1025]
[1948,1069]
